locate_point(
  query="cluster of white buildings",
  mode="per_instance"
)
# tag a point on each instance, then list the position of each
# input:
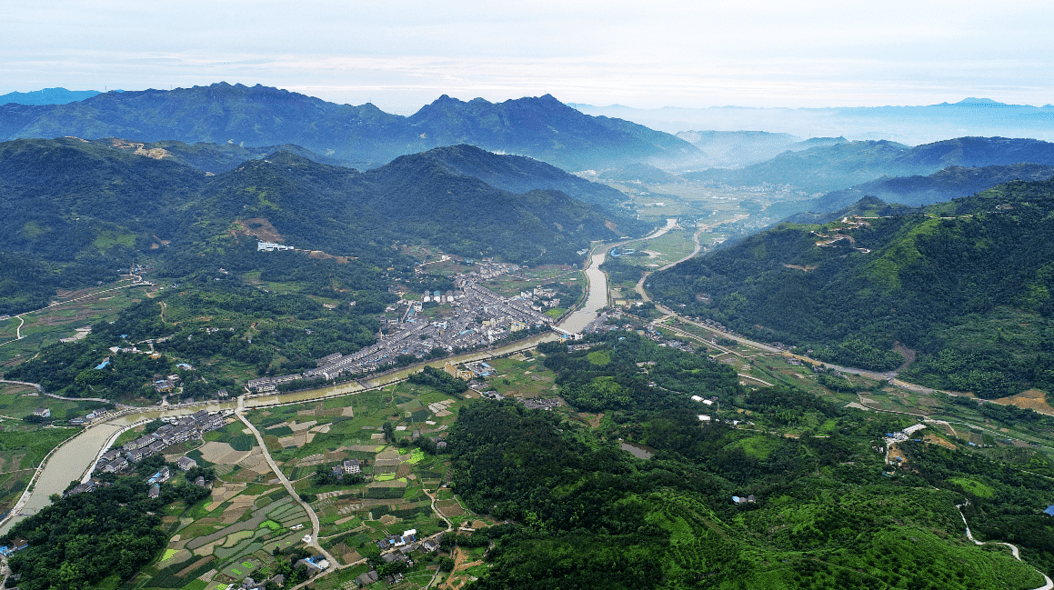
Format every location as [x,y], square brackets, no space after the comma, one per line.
[480,317]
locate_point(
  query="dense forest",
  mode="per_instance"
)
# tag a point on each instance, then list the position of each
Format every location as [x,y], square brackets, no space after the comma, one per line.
[81,539]
[79,212]
[966,283]
[818,510]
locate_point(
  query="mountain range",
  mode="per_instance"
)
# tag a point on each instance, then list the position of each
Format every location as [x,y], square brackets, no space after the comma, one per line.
[730,149]
[841,165]
[74,204]
[360,136]
[910,125]
[944,185]
[47,96]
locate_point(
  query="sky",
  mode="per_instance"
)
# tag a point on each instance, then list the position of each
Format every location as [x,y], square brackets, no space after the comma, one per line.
[402,54]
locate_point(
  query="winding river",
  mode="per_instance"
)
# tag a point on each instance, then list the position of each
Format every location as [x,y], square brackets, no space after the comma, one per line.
[75,457]
[598,283]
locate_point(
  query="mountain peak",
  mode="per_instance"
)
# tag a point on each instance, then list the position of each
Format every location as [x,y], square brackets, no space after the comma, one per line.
[971,101]
[47,96]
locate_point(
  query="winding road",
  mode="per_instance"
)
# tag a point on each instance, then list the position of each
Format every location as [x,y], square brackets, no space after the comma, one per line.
[1049,585]
[315,527]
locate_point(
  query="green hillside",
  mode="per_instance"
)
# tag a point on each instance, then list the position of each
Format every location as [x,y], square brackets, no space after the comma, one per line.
[966,283]
[820,509]
[79,211]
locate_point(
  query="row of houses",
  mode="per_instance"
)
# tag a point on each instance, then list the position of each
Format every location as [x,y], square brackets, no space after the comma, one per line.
[187,428]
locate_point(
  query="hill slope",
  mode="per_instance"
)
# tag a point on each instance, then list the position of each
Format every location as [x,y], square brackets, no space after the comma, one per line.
[362,136]
[72,206]
[967,283]
[950,183]
[836,167]
[519,174]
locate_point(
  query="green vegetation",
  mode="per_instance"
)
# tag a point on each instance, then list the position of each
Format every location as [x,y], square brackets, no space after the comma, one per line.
[439,380]
[968,291]
[824,515]
[80,540]
[165,214]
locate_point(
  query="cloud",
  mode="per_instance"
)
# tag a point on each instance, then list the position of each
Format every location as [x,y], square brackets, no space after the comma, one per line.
[403,54]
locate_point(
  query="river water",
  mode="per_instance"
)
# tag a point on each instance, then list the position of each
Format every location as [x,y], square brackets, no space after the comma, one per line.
[66,464]
[71,461]
[598,285]
[597,298]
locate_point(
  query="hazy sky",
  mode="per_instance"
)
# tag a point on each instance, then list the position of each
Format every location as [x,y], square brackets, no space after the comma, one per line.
[645,54]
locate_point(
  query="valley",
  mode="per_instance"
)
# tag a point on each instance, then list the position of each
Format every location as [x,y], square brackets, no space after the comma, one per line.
[460,365]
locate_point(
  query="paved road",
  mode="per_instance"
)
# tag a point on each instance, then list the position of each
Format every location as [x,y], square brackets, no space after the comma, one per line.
[1049,585]
[315,527]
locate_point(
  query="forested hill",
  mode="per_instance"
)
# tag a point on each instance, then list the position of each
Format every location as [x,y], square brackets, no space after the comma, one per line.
[967,283]
[836,167]
[771,504]
[519,174]
[361,136]
[950,183]
[85,209]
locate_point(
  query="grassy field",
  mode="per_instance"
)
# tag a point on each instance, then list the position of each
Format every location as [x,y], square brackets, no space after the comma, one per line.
[521,376]
[18,401]
[525,279]
[61,321]
[665,249]
[324,434]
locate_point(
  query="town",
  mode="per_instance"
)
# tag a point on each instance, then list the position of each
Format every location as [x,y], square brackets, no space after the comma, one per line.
[480,317]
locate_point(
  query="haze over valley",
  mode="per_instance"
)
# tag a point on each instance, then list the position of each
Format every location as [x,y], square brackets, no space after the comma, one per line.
[310,297]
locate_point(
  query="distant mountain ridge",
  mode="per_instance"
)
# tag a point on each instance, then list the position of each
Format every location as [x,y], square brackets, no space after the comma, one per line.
[912,125]
[47,96]
[359,136]
[835,167]
[915,191]
[740,148]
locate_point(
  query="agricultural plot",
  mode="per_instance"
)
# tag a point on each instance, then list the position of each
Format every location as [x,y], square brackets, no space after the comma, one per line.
[47,326]
[19,401]
[227,537]
[526,279]
[393,496]
[520,376]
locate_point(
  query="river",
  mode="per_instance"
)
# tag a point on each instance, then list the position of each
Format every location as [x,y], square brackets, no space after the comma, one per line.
[65,465]
[598,283]
[71,461]
[596,299]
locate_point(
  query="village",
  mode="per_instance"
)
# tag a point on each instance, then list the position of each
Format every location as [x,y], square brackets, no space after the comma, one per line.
[478,317]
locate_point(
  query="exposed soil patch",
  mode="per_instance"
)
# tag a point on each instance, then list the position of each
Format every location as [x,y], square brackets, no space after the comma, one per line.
[222,453]
[323,256]
[140,150]
[909,356]
[450,508]
[806,268]
[933,439]
[257,227]
[1033,399]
